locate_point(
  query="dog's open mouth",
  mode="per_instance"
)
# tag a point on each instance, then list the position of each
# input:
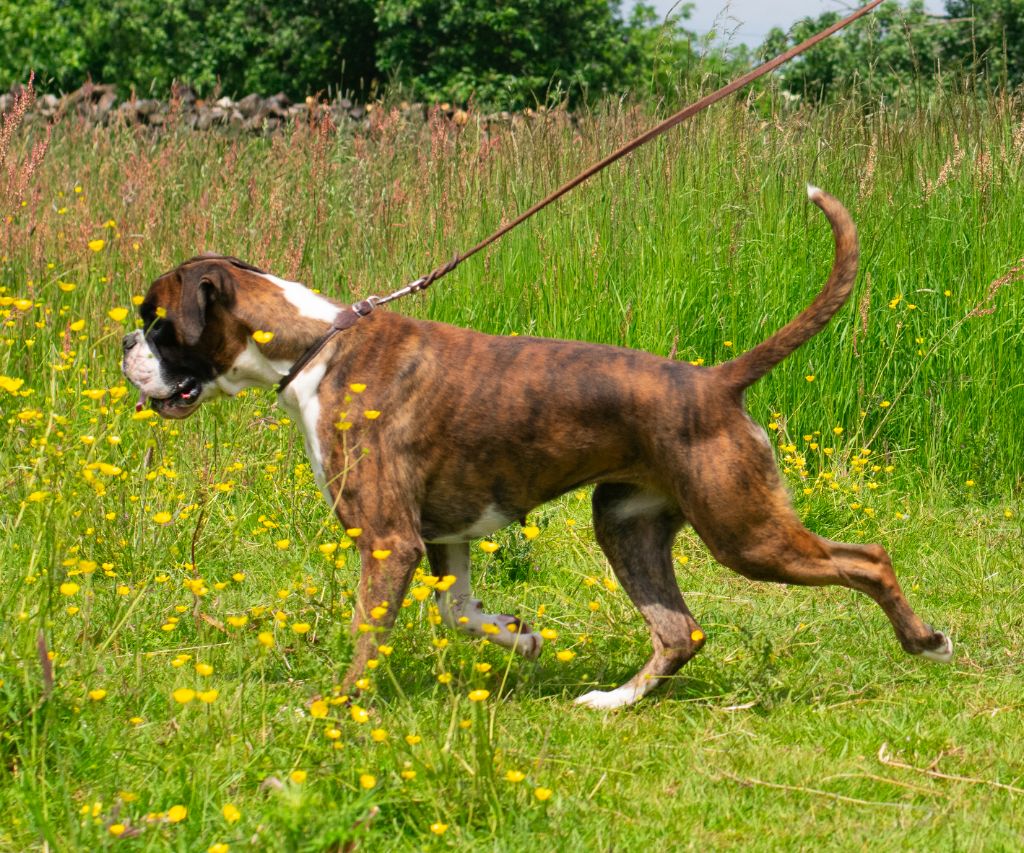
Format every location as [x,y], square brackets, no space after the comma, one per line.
[181,403]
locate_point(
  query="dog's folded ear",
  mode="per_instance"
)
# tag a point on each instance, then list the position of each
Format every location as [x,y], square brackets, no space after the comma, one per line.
[203,285]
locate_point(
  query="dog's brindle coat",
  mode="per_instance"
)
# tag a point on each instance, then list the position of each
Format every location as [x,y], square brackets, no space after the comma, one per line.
[475,431]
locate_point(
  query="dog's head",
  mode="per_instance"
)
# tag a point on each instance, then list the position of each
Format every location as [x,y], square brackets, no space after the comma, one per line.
[191,335]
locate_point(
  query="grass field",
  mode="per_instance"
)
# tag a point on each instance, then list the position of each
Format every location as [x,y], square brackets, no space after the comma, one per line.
[175,598]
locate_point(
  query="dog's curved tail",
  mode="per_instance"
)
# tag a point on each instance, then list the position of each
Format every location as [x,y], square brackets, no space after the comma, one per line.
[746,369]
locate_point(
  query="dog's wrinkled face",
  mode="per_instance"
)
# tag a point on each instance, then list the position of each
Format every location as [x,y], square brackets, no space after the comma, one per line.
[189,338]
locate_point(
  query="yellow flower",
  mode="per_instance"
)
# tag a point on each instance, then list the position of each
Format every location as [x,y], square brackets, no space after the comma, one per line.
[367,781]
[301,627]
[489,547]
[207,696]
[381,554]
[266,639]
[184,695]
[298,776]
[697,635]
[10,384]
[69,588]
[318,709]
[117,314]
[218,847]
[565,655]
[231,813]
[379,735]
[332,734]
[162,517]
[116,829]
[478,695]
[357,387]
[549,633]
[353,532]
[97,694]
[542,794]
[837,430]
[282,544]
[809,377]
[176,814]
[445,678]
[531,531]
[238,621]
[97,245]
[482,667]
[204,669]
[438,828]
[371,414]
[515,776]
[262,337]
[359,715]
[412,740]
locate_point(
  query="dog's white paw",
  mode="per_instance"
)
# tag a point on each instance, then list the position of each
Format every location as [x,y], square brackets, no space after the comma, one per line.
[607,699]
[943,654]
[516,635]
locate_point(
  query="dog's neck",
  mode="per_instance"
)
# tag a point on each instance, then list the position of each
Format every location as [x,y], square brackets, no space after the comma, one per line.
[292,332]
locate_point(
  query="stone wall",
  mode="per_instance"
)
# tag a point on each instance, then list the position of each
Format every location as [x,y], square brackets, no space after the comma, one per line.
[99,104]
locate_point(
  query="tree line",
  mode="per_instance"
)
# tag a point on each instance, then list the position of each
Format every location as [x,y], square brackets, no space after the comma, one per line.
[502,53]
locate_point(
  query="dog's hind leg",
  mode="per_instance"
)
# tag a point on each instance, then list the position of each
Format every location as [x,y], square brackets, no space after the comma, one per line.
[750,526]
[460,610]
[635,529]
[388,562]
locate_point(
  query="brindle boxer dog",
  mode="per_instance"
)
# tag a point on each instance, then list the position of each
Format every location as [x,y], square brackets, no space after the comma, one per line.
[475,431]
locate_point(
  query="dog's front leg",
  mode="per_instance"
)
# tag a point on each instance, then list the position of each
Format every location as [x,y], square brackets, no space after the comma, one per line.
[460,610]
[388,563]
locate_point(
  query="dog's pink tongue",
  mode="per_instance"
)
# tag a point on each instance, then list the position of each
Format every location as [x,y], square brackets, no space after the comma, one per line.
[139,406]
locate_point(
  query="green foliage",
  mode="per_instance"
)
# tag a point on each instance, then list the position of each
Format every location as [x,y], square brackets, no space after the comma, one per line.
[990,32]
[514,54]
[899,49]
[893,49]
[511,53]
[299,46]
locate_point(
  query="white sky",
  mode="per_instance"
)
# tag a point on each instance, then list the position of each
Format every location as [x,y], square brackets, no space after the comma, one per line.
[750,20]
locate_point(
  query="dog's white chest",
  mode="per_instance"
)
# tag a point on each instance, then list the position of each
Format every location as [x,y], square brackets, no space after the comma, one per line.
[302,401]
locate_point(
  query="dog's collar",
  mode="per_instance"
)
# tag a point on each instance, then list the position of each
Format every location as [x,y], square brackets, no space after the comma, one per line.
[345,319]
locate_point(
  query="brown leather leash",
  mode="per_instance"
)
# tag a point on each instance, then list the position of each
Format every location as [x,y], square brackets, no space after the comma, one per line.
[347,317]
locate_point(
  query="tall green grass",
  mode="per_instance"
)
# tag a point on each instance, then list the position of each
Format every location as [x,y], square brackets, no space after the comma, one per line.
[699,245]
[700,238]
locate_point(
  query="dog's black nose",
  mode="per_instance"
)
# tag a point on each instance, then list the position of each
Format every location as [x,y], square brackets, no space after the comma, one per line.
[128,341]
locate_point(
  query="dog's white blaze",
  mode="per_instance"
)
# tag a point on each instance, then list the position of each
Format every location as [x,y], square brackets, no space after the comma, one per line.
[251,368]
[489,521]
[301,400]
[308,303]
[640,504]
[142,368]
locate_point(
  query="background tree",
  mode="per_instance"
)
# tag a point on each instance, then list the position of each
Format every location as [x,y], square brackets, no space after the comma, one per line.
[898,48]
[883,53]
[511,52]
[299,46]
[988,34]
